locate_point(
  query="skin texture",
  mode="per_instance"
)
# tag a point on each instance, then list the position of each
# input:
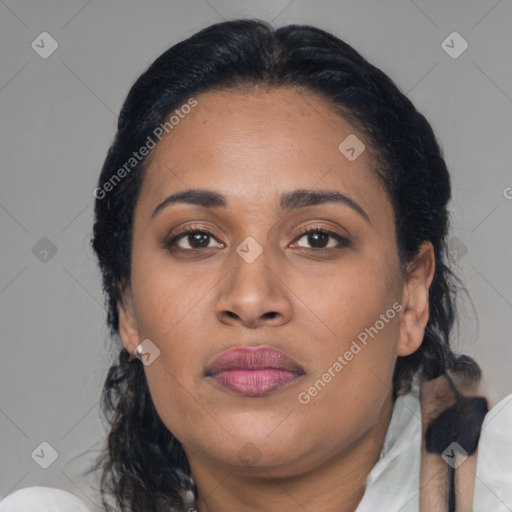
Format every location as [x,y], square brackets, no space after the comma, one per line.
[252,146]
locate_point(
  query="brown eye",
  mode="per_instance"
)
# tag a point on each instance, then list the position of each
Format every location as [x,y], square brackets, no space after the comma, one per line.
[195,238]
[201,239]
[318,238]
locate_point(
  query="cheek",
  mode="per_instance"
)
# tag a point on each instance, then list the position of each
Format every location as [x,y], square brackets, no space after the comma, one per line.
[346,300]
[352,385]
[166,295]
[353,363]
[168,311]
[172,397]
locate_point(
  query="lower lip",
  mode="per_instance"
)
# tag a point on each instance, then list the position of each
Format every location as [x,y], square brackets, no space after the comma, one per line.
[254,382]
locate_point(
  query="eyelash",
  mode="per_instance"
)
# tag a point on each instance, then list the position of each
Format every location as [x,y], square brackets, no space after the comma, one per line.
[342,241]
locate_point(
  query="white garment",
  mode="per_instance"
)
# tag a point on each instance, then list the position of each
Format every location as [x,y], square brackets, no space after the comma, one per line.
[393,483]
[42,499]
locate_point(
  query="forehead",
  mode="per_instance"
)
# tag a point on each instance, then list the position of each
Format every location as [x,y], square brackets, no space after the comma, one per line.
[258,143]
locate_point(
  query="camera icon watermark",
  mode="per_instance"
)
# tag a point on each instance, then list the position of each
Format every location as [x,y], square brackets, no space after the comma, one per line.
[147,352]
[454,455]
[249,249]
[456,249]
[454,45]
[44,45]
[249,454]
[44,250]
[44,455]
[351,147]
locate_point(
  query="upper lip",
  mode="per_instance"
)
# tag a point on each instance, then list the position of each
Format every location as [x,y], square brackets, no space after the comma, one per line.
[253,358]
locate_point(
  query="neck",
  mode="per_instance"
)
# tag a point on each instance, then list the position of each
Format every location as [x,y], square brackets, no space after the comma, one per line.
[335,485]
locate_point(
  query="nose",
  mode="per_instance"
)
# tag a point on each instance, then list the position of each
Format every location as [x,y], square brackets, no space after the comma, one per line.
[254,294]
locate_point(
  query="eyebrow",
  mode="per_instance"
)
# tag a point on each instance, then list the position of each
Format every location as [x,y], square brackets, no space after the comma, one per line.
[300,198]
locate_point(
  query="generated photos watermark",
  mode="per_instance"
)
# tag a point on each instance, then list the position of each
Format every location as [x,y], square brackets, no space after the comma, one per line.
[139,155]
[305,397]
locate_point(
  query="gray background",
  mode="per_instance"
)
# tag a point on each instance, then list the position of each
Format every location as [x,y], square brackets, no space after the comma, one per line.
[57,119]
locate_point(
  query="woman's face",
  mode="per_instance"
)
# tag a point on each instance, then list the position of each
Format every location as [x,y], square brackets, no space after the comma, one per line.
[324,315]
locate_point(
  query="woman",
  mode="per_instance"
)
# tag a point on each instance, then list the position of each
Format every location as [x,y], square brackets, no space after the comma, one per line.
[271,222]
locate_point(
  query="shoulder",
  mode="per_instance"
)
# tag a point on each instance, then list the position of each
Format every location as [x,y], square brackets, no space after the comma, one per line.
[43,499]
[493,485]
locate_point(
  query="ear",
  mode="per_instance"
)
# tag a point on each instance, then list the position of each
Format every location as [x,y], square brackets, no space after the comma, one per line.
[128,329]
[415,300]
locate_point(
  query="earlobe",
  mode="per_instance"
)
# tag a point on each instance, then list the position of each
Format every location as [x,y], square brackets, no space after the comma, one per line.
[415,300]
[128,329]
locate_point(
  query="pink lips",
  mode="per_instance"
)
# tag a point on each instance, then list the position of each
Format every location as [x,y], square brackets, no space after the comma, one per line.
[253,371]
